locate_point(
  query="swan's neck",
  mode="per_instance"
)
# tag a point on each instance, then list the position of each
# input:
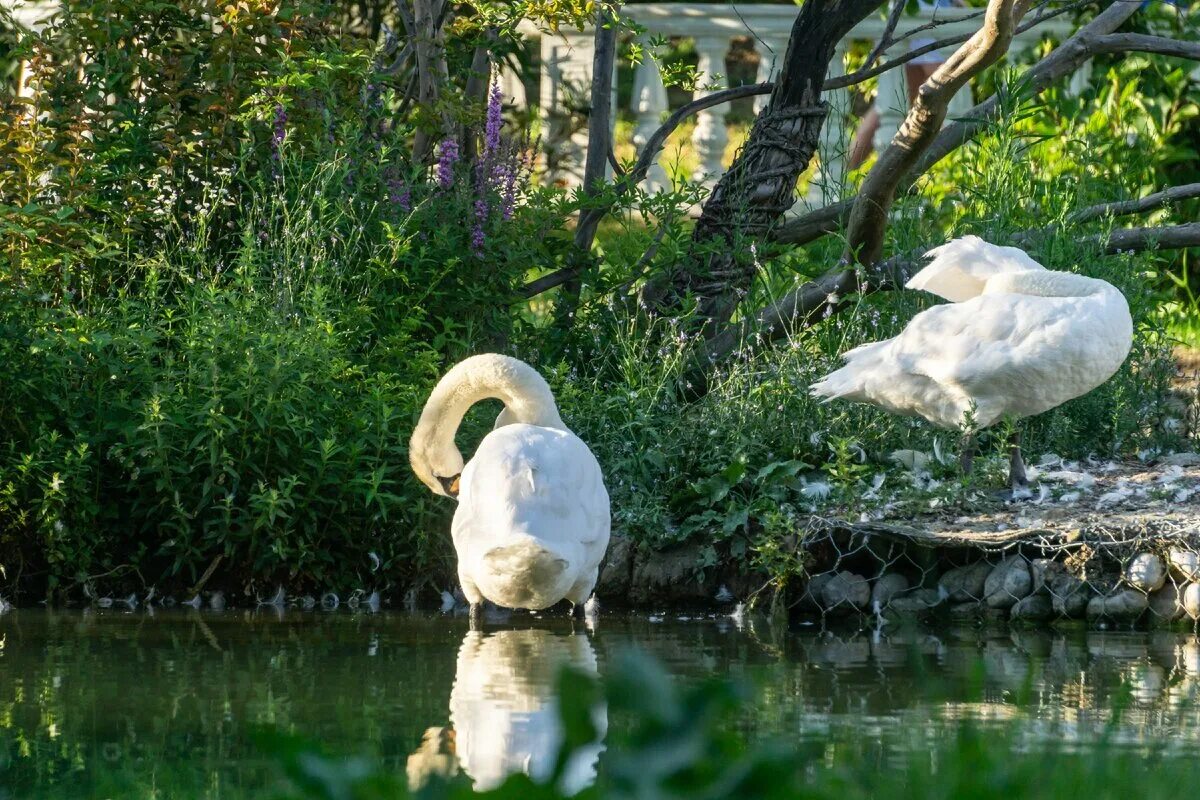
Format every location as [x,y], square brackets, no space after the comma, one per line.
[1046,283]
[526,396]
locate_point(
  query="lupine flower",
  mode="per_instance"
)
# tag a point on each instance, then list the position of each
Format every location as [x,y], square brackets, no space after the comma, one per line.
[446,160]
[477,236]
[491,133]
[400,194]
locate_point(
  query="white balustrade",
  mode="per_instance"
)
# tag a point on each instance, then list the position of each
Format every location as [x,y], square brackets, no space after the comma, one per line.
[711,136]
[649,108]
[712,27]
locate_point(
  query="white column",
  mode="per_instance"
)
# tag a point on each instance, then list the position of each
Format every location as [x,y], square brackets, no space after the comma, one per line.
[710,136]
[769,62]
[1080,79]
[960,104]
[649,105]
[826,183]
[566,81]
[891,101]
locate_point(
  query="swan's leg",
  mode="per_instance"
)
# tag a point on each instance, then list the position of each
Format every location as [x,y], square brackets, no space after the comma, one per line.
[1016,465]
[966,456]
[474,598]
[581,591]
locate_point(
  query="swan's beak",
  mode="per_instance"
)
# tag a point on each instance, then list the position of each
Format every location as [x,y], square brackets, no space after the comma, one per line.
[450,485]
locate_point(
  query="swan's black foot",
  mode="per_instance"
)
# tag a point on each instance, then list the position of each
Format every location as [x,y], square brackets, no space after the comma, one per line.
[475,615]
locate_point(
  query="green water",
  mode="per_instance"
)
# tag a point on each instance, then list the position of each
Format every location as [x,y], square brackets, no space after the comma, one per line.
[140,705]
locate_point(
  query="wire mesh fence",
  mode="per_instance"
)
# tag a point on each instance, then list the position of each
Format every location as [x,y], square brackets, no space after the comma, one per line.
[1102,574]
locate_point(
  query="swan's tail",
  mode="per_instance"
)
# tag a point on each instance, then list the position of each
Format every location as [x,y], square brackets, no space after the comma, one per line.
[527,573]
[845,382]
[960,269]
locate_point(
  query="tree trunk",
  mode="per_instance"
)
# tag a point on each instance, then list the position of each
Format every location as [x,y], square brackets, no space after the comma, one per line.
[760,185]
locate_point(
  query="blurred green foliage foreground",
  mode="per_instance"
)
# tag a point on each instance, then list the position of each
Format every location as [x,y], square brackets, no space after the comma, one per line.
[678,742]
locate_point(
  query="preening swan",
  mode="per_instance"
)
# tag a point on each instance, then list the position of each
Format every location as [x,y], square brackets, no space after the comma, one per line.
[1017,339]
[532,521]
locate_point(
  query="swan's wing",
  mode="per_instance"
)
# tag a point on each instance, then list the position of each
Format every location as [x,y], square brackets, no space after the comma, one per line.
[1006,354]
[960,268]
[541,481]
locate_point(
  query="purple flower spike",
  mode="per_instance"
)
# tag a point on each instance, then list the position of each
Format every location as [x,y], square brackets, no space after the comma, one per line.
[400,194]
[491,133]
[446,161]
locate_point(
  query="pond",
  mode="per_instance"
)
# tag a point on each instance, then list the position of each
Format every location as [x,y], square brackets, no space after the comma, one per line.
[124,704]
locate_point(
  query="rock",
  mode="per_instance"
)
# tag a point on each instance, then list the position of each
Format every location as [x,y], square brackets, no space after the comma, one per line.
[617,569]
[1033,607]
[1125,605]
[811,599]
[845,589]
[1007,583]
[1191,600]
[915,602]
[667,576]
[1184,564]
[1181,460]
[965,583]
[1145,571]
[1068,595]
[1042,570]
[968,610]
[1167,604]
[886,588]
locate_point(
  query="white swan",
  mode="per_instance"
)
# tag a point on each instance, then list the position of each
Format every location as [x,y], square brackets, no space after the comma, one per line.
[1016,340]
[532,521]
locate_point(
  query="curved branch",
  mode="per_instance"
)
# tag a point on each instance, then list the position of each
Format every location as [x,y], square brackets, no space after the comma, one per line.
[1150,202]
[868,217]
[1145,43]
[1136,240]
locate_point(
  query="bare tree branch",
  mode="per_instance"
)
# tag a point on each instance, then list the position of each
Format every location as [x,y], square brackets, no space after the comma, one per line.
[1144,43]
[600,111]
[868,71]
[868,218]
[885,40]
[1150,202]
[1134,240]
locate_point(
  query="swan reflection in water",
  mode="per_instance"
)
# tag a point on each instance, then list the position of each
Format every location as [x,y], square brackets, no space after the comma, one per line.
[504,714]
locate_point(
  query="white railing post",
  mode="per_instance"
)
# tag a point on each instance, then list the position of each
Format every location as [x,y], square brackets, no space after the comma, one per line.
[649,106]
[565,84]
[891,101]
[826,183]
[1080,79]
[769,61]
[710,136]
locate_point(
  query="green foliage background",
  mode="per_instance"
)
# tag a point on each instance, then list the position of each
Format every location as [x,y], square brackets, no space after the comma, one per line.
[225,290]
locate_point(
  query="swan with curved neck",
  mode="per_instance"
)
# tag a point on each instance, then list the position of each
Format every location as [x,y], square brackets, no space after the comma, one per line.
[1016,340]
[532,521]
